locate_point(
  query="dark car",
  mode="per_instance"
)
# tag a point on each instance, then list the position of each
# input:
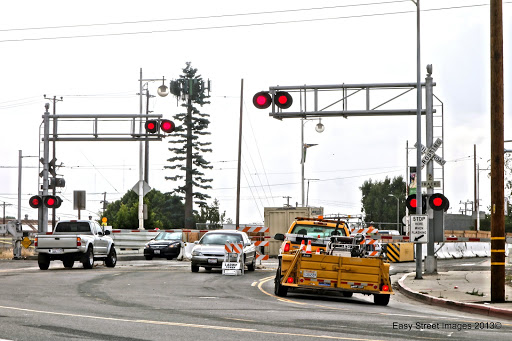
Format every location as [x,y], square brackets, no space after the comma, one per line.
[165,245]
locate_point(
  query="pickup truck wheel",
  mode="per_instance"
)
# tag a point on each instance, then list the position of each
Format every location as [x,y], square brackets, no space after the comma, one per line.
[148,257]
[88,259]
[111,259]
[279,290]
[194,268]
[381,299]
[43,260]
[68,263]
[347,294]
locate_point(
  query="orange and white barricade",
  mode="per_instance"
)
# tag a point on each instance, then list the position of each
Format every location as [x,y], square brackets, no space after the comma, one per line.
[233,263]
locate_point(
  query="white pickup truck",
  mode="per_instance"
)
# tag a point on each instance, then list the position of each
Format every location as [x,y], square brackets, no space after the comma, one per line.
[75,240]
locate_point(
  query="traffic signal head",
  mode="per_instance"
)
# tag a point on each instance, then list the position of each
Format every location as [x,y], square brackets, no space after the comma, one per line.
[262,100]
[51,201]
[438,202]
[412,203]
[151,126]
[167,126]
[283,100]
[35,201]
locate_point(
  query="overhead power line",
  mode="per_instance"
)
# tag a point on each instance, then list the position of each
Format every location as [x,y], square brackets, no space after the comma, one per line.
[200,17]
[237,25]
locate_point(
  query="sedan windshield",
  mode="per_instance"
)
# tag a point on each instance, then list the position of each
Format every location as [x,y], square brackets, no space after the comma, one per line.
[220,239]
[318,231]
[168,236]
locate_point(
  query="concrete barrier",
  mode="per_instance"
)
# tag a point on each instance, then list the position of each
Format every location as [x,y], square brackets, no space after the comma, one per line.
[453,250]
[467,252]
[478,249]
[441,251]
[188,250]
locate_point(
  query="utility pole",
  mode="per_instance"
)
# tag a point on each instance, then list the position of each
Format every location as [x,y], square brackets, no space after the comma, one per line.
[5,204]
[287,201]
[237,220]
[475,181]
[497,155]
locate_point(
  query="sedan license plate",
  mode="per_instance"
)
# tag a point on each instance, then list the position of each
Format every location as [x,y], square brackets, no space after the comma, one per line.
[212,260]
[157,252]
[56,251]
[309,274]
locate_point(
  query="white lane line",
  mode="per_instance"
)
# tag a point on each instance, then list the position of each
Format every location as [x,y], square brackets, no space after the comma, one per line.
[187,325]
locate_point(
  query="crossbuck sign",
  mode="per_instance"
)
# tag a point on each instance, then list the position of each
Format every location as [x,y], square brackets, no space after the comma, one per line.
[430,153]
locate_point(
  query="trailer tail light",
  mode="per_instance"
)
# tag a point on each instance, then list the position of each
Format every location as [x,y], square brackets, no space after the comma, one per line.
[35,242]
[286,247]
[385,288]
[290,280]
[78,241]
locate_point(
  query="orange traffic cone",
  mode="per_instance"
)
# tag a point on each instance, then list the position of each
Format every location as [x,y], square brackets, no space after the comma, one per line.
[302,246]
[308,249]
[317,251]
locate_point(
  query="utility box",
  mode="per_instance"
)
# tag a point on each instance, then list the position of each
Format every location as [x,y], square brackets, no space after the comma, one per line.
[279,219]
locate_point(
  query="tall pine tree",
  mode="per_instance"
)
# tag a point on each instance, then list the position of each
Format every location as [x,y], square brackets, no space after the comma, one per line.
[189,149]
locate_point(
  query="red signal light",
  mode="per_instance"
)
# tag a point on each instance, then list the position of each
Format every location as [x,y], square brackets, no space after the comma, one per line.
[438,202]
[151,126]
[35,201]
[283,100]
[52,201]
[290,280]
[286,247]
[385,288]
[262,100]
[167,126]
[412,203]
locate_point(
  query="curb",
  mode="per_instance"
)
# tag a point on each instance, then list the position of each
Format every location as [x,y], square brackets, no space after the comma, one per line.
[460,306]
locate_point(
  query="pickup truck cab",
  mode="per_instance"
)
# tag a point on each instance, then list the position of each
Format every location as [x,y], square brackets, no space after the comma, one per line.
[75,240]
[311,229]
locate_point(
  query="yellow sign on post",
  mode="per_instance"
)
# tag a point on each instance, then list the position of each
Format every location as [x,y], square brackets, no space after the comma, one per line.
[104,221]
[26,242]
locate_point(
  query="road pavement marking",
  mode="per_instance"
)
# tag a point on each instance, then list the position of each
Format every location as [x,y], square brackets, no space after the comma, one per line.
[286,300]
[187,325]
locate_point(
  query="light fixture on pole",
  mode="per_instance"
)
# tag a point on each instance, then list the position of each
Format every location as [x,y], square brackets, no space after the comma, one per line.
[397,212]
[319,126]
[163,90]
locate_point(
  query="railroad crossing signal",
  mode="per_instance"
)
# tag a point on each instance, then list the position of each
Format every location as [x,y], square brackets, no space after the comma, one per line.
[49,201]
[152,126]
[263,99]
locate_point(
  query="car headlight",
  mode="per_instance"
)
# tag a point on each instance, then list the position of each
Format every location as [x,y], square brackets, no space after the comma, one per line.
[174,245]
[196,253]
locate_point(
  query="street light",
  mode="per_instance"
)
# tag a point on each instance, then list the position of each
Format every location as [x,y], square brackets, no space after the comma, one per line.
[397,212]
[319,128]
[163,90]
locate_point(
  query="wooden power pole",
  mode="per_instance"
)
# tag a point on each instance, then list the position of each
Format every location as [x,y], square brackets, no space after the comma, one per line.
[497,156]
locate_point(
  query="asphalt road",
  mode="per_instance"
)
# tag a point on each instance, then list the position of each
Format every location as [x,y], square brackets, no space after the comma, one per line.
[164,300]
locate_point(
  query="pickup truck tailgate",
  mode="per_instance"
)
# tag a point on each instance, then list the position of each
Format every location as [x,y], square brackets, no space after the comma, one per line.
[56,241]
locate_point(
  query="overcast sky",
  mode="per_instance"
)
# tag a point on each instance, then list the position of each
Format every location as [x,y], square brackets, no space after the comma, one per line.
[90,53]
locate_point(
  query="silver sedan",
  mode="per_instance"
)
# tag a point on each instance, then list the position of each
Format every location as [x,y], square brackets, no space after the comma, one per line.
[209,251]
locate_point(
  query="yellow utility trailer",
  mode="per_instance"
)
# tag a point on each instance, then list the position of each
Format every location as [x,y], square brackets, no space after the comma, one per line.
[338,263]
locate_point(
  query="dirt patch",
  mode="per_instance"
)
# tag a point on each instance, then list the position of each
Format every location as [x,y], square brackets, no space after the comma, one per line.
[8,253]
